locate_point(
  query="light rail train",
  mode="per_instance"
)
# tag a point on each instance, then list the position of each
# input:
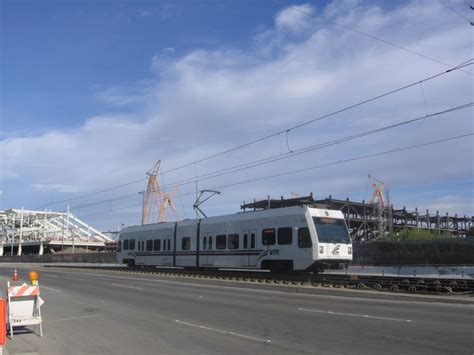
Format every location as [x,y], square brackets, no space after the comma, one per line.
[293,238]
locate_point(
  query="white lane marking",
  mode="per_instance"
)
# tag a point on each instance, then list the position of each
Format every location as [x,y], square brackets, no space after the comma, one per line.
[50,289]
[73,318]
[48,275]
[355,315]
[226,332]
[438,302]
[127,286]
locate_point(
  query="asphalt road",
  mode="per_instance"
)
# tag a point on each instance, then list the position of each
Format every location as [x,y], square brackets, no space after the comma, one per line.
[107,313]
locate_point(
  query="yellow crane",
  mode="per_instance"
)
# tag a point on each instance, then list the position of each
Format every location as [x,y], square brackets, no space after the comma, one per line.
[167,204]
[154,194]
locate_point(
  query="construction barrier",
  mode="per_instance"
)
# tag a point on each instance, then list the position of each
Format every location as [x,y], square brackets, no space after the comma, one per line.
[24,307]
[3,324]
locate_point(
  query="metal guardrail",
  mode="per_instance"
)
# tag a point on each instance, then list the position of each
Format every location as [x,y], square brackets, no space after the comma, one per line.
[378,283]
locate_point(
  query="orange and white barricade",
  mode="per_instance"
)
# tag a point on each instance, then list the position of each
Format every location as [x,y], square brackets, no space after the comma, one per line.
[24,307]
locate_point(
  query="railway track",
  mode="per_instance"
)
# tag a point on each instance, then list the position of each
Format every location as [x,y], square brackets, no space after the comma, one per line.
[379,283]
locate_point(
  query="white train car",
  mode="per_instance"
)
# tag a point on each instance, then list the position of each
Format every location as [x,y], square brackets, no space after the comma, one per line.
[281,239]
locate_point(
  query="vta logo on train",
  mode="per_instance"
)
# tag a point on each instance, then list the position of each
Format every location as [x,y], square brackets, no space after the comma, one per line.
[335,251]
[269,252]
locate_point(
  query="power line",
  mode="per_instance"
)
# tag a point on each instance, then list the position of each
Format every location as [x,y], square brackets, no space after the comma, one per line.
[92,193]
[344,161]
[308,149]
[457,13]
[347,160]
[274,158]
[462,65]
[122,197]
[382,40]
[285,131]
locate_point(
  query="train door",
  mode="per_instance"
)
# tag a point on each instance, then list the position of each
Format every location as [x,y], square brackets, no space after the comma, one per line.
[249,259]
[140,258]
[209,250]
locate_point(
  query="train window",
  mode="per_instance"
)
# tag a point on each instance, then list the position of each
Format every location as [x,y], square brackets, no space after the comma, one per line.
[169,244]
[304,238]
[285,236]
[210,243]
[221,241]
[233,241]
[252,241]
[186,243]
[204,242]
[246,237]
[132,244]
[157,245]
[125,244]
[149,245]
[119,246]
[268,236]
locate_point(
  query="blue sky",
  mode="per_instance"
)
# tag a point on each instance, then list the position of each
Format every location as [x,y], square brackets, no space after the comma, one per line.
[76,47]
[93,92]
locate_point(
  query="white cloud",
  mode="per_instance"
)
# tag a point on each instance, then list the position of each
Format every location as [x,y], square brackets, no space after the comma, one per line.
[295,18]
[451,204]
[207,101]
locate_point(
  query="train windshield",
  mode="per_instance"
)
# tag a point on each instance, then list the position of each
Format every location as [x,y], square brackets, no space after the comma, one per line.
[331,230]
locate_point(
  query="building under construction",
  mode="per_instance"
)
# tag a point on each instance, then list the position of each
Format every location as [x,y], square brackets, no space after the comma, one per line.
[25,232]
[367,221]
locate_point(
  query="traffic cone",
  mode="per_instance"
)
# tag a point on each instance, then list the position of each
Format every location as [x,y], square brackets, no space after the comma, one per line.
[15,276]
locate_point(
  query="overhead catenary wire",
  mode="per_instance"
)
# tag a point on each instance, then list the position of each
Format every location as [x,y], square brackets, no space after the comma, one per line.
[92,193]
[311,148]
[457,13]
[285,131]
[291,154]
[337,162]
[348,160]
[320,118]
[382,40]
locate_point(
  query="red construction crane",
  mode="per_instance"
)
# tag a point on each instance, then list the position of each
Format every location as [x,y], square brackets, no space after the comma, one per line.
[380,194]
[383,212]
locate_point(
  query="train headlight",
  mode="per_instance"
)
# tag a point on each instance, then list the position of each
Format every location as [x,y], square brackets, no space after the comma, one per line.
[321,249]
[349,250]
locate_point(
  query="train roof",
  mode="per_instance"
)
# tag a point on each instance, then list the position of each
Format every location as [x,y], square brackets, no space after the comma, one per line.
[247,215]
[282,203]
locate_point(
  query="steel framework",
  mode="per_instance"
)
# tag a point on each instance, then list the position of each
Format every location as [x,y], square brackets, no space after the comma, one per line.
[363,219]
[20,229]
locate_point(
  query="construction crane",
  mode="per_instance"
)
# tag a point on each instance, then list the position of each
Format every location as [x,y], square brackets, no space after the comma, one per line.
[379,191]
[381,200]
[167,203]
[154,196]
[152,193]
